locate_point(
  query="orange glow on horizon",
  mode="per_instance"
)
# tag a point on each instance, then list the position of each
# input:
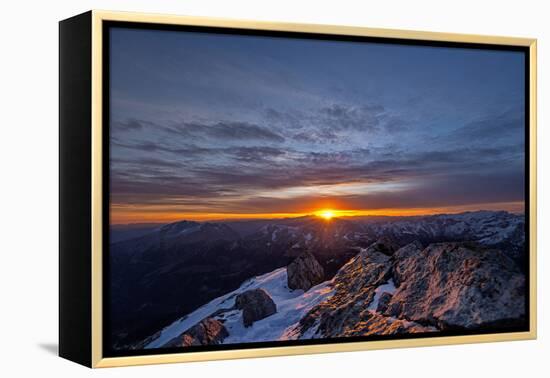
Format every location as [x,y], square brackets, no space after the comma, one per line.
[132,215]
[326,214]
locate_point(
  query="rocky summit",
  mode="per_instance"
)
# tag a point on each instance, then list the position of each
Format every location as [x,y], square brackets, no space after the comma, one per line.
[348,311]
[446,286]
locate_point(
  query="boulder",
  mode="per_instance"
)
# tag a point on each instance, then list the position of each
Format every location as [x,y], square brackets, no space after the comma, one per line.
[459,286]
[256,304]
[304,272]
[208,331]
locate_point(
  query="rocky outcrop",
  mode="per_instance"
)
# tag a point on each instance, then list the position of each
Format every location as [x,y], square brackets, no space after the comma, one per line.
[209,331]
[446,286]
[402,260]
[457,286]
[304,272]
[354,285]
[374,323]
[255,304]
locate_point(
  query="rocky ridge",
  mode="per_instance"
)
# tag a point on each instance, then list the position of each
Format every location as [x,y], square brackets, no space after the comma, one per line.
[446,286]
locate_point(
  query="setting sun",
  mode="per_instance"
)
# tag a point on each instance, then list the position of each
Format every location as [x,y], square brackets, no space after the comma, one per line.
[327,214]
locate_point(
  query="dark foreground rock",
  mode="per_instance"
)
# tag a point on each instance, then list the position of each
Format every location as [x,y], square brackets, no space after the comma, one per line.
[457,286]
[207,332]
[304,272]
[256,304]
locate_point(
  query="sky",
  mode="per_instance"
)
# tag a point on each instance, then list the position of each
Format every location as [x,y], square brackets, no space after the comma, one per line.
[214,126]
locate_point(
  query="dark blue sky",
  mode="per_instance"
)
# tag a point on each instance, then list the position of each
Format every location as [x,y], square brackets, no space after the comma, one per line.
[215,124]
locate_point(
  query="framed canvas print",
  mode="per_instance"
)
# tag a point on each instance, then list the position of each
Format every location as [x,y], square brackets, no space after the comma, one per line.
[236,189]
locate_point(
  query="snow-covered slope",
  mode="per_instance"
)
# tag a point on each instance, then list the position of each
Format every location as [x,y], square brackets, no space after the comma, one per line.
[292,305]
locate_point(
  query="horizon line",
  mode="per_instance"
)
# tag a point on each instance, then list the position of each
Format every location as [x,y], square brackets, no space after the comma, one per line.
[317,214]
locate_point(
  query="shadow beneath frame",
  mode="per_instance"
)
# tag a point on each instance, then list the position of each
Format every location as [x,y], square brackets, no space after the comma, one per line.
[51,348]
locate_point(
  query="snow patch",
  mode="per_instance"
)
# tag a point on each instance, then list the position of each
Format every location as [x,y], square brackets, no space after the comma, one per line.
[292,305]
[388,287]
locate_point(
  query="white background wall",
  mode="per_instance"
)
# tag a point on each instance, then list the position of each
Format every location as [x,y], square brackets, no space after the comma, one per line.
[29,176]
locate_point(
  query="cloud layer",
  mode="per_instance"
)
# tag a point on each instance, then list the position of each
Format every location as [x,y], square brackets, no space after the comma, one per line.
[228,124]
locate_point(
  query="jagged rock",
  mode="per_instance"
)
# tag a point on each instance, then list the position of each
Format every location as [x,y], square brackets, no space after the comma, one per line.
[208,331]
[377,324]
[457,286]
[401,259]
[383,302]
[304,272]
[256,304]
[354,285]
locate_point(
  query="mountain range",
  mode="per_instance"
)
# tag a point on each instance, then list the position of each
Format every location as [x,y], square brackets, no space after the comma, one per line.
[191,283]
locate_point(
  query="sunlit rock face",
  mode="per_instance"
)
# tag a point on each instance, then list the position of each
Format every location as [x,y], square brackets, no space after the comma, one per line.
[446,286]
[459,285]
[348,310]
[402,260]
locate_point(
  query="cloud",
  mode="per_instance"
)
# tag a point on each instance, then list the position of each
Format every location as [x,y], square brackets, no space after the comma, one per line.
[245,167]
[456,190]
[507,125]
[235,131]
[345,117]
[333,123]
[318,136]
[454,176]
[147,162]
[205,131]
[128,125]
[328,124]
[394,124]
[255,154]
[288,119]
